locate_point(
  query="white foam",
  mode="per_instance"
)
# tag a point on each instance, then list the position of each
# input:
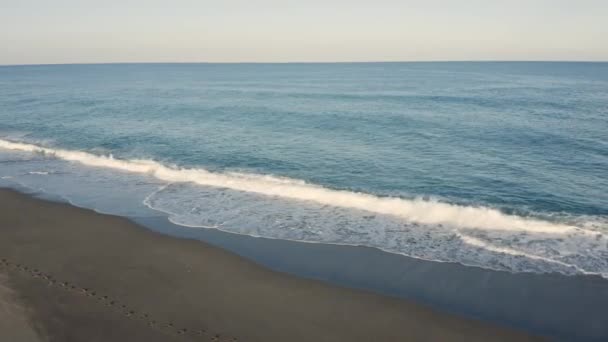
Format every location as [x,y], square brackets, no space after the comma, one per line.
[40,173]
[411,210]
[471,241]
[246,213]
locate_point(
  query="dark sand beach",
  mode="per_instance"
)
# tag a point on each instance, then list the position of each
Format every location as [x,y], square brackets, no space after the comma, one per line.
[70,274]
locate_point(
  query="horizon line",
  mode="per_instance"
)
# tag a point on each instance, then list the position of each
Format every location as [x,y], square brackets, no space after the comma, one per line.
[320,62]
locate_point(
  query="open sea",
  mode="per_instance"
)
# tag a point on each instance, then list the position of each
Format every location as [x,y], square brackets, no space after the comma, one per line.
[501,166]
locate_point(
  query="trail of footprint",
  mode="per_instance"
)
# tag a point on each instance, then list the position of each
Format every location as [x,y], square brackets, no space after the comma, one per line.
[108,301]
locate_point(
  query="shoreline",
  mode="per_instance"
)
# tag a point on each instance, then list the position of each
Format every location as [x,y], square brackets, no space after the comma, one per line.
[78,273]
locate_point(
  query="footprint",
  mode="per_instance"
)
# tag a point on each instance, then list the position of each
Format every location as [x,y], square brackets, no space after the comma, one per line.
[36,273]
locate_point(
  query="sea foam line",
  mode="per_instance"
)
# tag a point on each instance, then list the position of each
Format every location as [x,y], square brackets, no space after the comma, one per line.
[411,210]
[471,241]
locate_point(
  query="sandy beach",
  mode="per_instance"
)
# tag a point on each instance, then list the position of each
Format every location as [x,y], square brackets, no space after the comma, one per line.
[70,274]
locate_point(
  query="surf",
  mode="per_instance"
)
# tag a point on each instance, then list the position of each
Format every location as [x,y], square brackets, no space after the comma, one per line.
[420,211]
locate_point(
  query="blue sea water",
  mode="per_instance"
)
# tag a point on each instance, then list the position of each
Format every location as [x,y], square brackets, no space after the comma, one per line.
[496,165]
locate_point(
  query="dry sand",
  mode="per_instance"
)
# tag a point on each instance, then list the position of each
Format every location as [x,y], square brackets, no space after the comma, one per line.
[69,274]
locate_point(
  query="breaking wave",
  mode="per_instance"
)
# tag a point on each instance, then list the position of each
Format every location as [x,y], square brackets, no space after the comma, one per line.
[413,210]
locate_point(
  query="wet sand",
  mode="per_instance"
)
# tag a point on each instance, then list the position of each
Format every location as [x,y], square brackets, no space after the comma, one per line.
[70,274]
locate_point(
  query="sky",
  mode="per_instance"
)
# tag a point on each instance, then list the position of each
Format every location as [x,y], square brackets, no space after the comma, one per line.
[110,31]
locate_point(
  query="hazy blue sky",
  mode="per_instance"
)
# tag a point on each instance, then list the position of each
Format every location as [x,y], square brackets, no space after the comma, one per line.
[68,31]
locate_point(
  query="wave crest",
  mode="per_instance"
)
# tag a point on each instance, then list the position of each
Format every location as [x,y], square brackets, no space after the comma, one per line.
[420,211]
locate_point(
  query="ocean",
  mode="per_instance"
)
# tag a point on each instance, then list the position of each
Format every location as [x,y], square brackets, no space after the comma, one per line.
[501,166]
